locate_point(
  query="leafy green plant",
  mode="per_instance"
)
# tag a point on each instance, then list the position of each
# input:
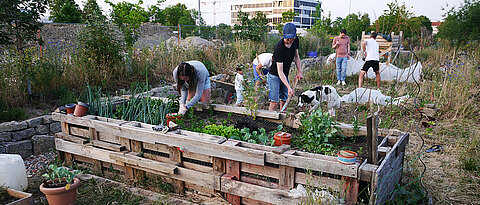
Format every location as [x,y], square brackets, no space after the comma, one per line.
[59,177]
[320,133]
[221,130]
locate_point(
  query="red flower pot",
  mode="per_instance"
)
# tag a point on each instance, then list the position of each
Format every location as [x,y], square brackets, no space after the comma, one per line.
[282,138]
[81,109]
[70,108]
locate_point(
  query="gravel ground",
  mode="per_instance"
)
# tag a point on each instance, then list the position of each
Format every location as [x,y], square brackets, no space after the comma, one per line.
[36,163]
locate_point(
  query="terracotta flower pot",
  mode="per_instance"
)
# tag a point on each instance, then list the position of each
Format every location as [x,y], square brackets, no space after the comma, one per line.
[81,109]
[70,108]
[173,117]
[347,157]
[61,196]
[282,138]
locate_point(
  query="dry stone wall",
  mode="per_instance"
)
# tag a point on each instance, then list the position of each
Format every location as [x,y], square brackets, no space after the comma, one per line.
[32,136]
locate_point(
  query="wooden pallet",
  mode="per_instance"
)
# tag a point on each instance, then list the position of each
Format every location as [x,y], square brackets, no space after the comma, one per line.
[246,173]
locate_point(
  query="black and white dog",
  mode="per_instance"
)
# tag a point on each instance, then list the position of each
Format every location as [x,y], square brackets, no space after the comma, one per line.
[315,96]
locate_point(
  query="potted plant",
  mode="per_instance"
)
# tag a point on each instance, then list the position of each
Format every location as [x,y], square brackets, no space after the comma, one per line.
[60,185]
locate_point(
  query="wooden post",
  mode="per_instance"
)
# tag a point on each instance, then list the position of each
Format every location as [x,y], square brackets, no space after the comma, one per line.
[176,157]
[68,159]
[93,133]
[372,133]
[219,166]
[233,168]
[286,177]
[136,146]
[65,128]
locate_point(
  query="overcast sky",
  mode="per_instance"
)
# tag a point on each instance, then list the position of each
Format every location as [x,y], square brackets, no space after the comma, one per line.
[219,12]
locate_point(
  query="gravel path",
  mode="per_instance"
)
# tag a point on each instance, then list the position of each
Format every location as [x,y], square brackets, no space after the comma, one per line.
[36,163]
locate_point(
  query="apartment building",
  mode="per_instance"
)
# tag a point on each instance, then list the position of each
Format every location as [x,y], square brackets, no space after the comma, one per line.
[273,10]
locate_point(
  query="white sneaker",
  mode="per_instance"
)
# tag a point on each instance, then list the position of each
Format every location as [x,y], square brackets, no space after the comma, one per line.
[338,82]
[343,83]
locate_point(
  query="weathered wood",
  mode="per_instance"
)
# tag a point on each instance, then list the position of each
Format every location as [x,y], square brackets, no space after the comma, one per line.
[70,138]
[391,140]
[366,171]
[219,164]
[197,167]
[259,182]
[318,181]
[390,170]
[93,133]
[281,149]
[315,162]
[382,151]
[108,138]
[286,178]
[108,146]
[372,133]
[80,132]
[232,169]
[143,163]
[253,202]
[22,197]
[241,110]
[86,151]
[267,171]
[255,192]
[125,143]
[176,156]
[65,128]
[68,158]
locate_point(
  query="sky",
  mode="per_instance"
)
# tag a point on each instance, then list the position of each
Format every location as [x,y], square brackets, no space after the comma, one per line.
[218,13]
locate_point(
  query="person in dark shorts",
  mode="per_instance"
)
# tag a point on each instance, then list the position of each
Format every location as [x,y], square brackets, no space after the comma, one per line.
[372,58]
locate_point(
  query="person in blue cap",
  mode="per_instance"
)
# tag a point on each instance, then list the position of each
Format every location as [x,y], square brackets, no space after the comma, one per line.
[286,51]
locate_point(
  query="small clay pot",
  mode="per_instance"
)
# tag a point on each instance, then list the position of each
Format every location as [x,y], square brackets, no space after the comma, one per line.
[61,196]
[173,117]
[70,108]
[347,157]
[282,138]
[81,109]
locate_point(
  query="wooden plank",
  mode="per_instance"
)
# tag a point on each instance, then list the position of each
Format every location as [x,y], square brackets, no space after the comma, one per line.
[315,162]
[232,169]
[241,110]
[382,151]
[156,157]
[17,194]
[108,138]
[253,202]
[318,181]
[267,171]
[391,141]
[125,143]
[366,171]
[85,151]
[201,189]
[81,132]
[259,182]
[108,146]
[286,178]
[197,167]
[65,128]
[255,192]
[218,164]
[93,133]
[70,138]
[68,158]
[176,156]
[143,162]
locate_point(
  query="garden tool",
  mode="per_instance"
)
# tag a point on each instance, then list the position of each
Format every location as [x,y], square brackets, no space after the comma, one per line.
[161,128]
[289,96]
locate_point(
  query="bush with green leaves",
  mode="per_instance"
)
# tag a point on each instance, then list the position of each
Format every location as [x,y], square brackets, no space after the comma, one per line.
[58,177]
[221,130]
[320,134]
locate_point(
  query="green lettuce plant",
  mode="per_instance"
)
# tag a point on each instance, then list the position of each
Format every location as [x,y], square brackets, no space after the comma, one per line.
[59,177]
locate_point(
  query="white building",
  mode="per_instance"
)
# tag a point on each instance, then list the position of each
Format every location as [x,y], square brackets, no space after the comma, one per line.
[273,10]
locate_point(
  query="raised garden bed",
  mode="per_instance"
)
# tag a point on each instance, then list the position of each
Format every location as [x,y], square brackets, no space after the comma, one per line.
[14,197]
[247,173]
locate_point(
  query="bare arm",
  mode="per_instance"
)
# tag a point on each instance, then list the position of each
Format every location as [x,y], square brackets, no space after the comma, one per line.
[363,48]
[334,43]
[299,65]
[283,78]
[258,68]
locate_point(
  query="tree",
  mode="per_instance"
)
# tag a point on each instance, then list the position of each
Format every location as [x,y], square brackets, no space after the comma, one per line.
[178,14]
[355,24]
[91,11]
[254,29]
[287,16]
[128,17]
[461,26]
[395,19]
[19,19]
[69,13]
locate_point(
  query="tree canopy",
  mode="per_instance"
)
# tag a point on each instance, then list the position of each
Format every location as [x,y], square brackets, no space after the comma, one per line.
[65,11]
[128,17]
[462,25]
[253,28]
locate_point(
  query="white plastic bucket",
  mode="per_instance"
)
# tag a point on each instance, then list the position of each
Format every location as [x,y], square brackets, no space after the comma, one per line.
[12,172]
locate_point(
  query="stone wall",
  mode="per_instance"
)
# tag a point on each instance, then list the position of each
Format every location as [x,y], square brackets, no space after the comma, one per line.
[32,136]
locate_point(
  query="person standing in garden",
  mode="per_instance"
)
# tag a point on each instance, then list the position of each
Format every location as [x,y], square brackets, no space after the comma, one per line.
[260,61]
[372,59]
[193,84]
[341,44]
[286,51]
[239,86]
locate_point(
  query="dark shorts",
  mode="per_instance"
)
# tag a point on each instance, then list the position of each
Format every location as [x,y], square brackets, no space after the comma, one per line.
[371,64]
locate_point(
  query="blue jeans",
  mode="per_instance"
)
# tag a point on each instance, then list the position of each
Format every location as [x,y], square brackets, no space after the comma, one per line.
[239,97]
[341,68]
[276,89]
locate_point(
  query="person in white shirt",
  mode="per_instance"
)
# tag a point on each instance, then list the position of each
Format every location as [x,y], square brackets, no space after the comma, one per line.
[239,86]
[372,59]
[262,60]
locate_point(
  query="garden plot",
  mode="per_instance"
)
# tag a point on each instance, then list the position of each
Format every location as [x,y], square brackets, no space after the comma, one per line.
[246,172]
